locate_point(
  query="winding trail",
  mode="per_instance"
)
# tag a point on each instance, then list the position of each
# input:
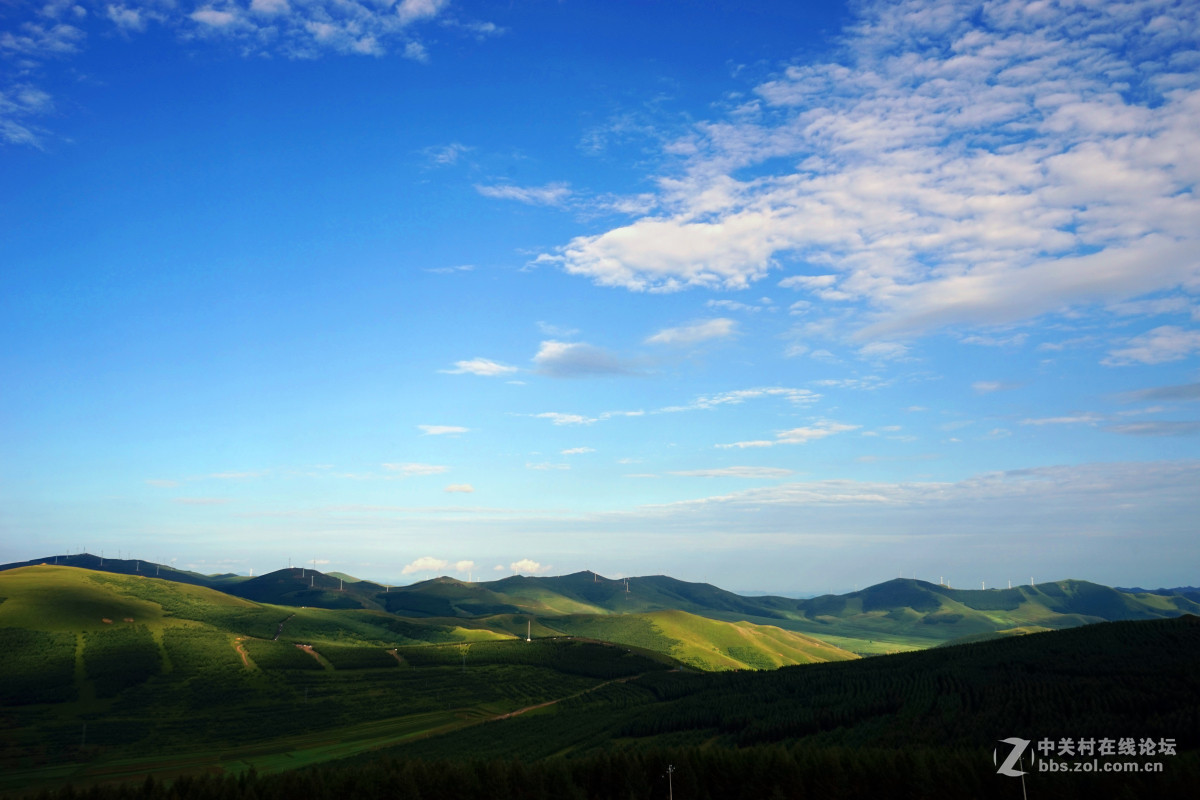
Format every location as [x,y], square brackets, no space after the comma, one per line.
[569,697]
[237,645]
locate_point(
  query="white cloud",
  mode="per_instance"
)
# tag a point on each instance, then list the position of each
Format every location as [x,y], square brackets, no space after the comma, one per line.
[425,564]
[546,466]
[407,470]
[416,51]
[263,28]
[574,451]
[1165,343]
[463,488]
[1077,419]
[552,194]
[566,419]
[801,435]
[270,7]
[1185,392]
[413,10]
[213,17]
[162,484]
[445,155]
[700,331]
[480,366]
[961,164]
[577,359]
[201,501]
[464,566]
[754,473]
[129,19]
[528,567]
[441,430]
[988,387]
[883,351]
[739,396]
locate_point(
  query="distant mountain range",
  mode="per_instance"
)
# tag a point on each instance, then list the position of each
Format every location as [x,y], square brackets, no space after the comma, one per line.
[900,614]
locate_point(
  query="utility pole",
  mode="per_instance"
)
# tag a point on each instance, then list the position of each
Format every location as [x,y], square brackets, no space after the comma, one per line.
[670,787]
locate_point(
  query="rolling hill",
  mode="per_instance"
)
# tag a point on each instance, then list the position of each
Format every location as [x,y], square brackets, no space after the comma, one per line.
[897,615]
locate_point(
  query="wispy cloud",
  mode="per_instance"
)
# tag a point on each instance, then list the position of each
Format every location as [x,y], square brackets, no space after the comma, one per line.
[988,387]
[201,501]
[695,332]
[407,470]
[739,396]
[552,194]
[575,451]
[801,435]
[441,430]
[445,155]
[1156,428]
[1185,392]
[480,366]
[754,473]
[460,488]
[559,418]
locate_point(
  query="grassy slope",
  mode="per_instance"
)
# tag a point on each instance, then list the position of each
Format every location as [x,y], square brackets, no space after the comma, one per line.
[701,642]
[193,702]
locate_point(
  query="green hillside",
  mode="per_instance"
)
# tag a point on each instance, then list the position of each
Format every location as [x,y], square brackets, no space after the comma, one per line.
[702,643]
[895,616]
[106,672]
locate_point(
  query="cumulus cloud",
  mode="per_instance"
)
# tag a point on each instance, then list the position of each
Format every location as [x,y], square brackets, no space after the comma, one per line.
[441,430]
[577,359]
[480,366]
[693,333]
[528,566]
[425,564]
[407,470]
[959,164]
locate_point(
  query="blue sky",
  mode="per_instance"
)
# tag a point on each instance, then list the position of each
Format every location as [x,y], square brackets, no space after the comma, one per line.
[795,299]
